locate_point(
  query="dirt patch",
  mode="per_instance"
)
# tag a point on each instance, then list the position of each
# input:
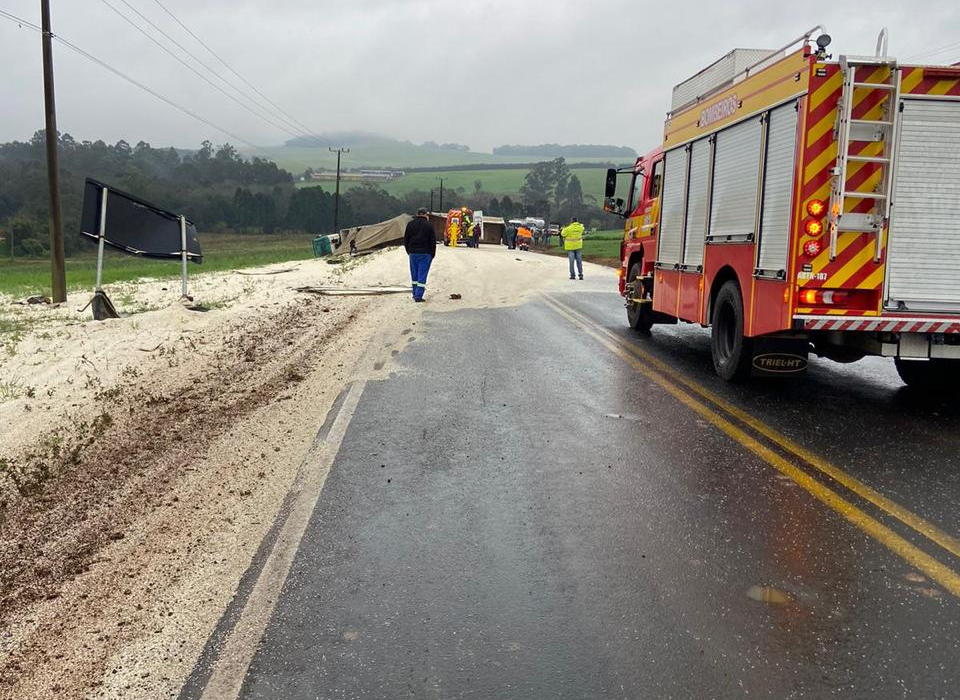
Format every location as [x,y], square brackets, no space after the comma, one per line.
[139,441]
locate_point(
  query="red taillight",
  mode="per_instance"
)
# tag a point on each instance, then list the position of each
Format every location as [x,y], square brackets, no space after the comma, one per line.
[816,207]
[813,227]
[812,248]
[824,297]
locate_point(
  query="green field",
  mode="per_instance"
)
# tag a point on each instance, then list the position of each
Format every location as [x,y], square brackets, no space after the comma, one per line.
[495,182]
[220,252]
[601,247]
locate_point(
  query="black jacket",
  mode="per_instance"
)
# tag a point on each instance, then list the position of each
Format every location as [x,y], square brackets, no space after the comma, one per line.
[419,237]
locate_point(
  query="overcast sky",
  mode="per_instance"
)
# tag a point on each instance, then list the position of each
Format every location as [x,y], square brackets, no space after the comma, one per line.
[480,72]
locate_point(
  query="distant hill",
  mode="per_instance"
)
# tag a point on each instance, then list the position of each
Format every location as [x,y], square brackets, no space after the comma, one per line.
[375,151]
[556,150]
[360,138]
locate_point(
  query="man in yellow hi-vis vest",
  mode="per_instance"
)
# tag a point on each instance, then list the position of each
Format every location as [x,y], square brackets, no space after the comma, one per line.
[572,235]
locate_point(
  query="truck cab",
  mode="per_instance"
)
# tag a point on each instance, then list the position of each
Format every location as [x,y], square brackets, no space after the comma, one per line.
[639,246]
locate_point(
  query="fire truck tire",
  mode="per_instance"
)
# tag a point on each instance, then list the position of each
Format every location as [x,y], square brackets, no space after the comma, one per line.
[732,352]
[934,376]
[639,316]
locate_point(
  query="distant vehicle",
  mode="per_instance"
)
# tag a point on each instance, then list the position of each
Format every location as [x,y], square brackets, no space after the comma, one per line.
[455,223]
[533,223]
[802,203]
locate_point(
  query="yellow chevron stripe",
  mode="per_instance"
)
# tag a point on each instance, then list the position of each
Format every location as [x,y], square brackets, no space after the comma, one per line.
[876,112]
[817,165]
[942,87]
[851,268]
[829,86]
[879,75]
[823,194]
[873,281]
[868,185]
[871,149]
[911,81]
[844,241]
[821,127]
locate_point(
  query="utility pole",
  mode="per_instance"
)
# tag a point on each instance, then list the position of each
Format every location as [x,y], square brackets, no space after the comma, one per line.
[336,199]
[441,192]
[58,273]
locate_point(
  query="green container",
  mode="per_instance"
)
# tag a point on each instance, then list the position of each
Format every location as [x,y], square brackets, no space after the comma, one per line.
[322,246]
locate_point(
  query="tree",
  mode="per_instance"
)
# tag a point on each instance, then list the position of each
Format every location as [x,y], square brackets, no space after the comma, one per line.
[545,183]
[216,187]
[310,210]
[570,204]
[368,204]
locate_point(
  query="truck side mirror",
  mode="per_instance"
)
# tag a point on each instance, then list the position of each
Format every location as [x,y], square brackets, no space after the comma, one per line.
[611,188]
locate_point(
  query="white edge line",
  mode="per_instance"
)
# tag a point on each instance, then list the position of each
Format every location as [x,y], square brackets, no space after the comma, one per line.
[230,667]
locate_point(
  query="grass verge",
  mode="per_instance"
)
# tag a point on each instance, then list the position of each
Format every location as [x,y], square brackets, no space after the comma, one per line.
[602,248]
[220,252]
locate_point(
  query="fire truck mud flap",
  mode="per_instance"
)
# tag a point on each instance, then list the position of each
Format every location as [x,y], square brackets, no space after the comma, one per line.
[779,357]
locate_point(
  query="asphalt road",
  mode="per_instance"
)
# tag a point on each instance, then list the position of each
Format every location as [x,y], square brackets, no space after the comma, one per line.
[533,506]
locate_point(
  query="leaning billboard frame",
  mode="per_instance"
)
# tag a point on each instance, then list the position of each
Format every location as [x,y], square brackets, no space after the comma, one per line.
[135,226]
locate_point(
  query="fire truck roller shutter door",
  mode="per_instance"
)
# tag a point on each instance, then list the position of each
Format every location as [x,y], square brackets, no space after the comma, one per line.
[736,171]
[672,206]
[697,203]
[924,264]
[778,189]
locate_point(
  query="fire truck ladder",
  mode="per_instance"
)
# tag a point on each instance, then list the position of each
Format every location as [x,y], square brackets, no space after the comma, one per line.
[882,130]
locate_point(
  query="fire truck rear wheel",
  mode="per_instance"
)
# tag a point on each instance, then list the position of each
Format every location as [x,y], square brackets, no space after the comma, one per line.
[935,376]
[639,316]
[732,352]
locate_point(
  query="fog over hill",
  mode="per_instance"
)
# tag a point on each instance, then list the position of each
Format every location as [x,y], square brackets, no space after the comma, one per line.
[545,150]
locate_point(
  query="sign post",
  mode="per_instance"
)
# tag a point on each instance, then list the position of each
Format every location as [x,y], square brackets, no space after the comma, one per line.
[102,233]
[183,258]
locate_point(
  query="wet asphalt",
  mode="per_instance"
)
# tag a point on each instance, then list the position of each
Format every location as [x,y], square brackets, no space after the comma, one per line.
[517,512]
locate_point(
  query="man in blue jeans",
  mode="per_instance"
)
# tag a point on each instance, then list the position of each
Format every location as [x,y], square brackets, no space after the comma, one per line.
[572,235]
[420,242]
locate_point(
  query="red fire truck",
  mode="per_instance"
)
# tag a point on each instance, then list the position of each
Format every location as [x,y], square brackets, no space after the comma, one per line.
[802,203]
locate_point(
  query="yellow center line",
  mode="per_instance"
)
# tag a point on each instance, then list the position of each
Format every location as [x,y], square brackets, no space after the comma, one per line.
[657,372]
[914,521]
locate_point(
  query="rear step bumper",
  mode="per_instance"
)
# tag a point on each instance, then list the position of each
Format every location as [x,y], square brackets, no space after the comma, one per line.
[880,324]
[889,336]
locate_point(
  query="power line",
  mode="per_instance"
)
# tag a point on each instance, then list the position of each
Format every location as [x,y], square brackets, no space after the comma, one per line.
[231,69]
[198,73]
[22,22]
[227,82]
[90,57]
[933,52]
[120,74]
